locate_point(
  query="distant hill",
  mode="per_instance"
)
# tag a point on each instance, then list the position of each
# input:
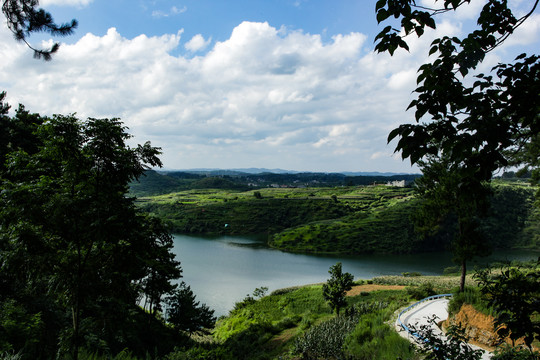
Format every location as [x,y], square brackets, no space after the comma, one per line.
[163,182]
[241,171]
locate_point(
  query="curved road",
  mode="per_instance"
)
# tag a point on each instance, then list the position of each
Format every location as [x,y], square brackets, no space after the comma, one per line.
[420,314]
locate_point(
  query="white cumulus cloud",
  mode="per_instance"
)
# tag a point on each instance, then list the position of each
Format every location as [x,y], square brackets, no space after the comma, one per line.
[171,12]
[264,97]
[197,43]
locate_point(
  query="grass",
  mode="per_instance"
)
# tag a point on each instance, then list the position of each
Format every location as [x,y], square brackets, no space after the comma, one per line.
[271,326]
[439,283]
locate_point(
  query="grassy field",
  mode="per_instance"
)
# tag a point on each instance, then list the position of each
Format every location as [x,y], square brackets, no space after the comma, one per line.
[292,322]
[295,322]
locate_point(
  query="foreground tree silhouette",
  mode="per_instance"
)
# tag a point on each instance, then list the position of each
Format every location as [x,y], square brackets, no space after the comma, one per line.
[471,130]
[184,313]
[24,18]
[336,287]
[71,240]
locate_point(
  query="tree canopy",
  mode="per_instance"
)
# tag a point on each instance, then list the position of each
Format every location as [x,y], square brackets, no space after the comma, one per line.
[336,287]
[466,129]
[81,265]
[24,18]
[479,127]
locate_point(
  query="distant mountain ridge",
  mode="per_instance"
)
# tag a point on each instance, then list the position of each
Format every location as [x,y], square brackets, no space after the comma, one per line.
[167,181]
[240,171]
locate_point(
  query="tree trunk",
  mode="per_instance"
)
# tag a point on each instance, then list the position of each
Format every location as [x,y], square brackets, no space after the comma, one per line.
[463,275]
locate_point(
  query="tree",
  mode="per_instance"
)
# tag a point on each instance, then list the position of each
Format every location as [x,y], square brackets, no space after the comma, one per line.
[186,314]
[336,287]
[447,199]
[514,293]
[474,129]
[24,18]
[69,233]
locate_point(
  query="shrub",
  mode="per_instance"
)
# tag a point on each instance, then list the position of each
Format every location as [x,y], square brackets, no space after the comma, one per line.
[201,353]
[336,287]
[411,274]
[421,292]
[451,270]
[510,353]
[326,339]
[472,296]
[373,339]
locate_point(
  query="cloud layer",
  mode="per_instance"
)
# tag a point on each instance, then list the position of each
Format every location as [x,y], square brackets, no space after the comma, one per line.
[265,97]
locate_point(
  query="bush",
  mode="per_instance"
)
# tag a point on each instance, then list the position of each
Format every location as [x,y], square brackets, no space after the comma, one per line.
[451,270]
[421,292]
[201,353]
[411,274]
[472,296]
[373,339]
[326,339]
[509,353]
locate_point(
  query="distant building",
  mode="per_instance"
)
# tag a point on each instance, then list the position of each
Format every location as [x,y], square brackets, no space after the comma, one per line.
[396,183]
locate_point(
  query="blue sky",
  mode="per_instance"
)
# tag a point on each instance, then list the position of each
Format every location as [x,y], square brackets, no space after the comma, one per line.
[291,84]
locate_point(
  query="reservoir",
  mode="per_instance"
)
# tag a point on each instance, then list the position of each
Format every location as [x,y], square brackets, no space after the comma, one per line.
[223,270]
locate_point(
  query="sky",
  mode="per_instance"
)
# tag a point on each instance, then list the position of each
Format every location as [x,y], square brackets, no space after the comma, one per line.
[288,84]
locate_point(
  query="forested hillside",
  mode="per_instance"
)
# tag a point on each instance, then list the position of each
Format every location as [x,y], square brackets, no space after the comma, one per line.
[349,220]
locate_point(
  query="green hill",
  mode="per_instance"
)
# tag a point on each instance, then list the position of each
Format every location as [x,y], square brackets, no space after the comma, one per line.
[348,220]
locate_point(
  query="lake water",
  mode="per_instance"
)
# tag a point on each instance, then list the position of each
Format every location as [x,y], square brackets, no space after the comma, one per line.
[223,270]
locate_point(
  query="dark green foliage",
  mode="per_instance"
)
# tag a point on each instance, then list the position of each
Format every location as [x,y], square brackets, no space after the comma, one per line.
[373,338]
[421,292]
[186,314]
[473,130]
[202,352]
[510,218]
[448,196]
[530,236]
[479,140]
[453,346]
[515,296]
[153,183]
[336,287]
[243,216]
[24,18]
[76,255]
[513,353]
[471,296]
[386,230]
[325,340]
[218,183]
[411,274]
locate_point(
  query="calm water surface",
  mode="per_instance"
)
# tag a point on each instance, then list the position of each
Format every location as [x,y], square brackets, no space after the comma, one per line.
[223,270]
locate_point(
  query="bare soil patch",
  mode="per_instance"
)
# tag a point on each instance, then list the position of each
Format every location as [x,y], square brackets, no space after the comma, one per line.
[356,290]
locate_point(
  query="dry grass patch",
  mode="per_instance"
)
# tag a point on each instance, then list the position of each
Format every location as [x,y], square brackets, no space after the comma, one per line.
[356,290]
